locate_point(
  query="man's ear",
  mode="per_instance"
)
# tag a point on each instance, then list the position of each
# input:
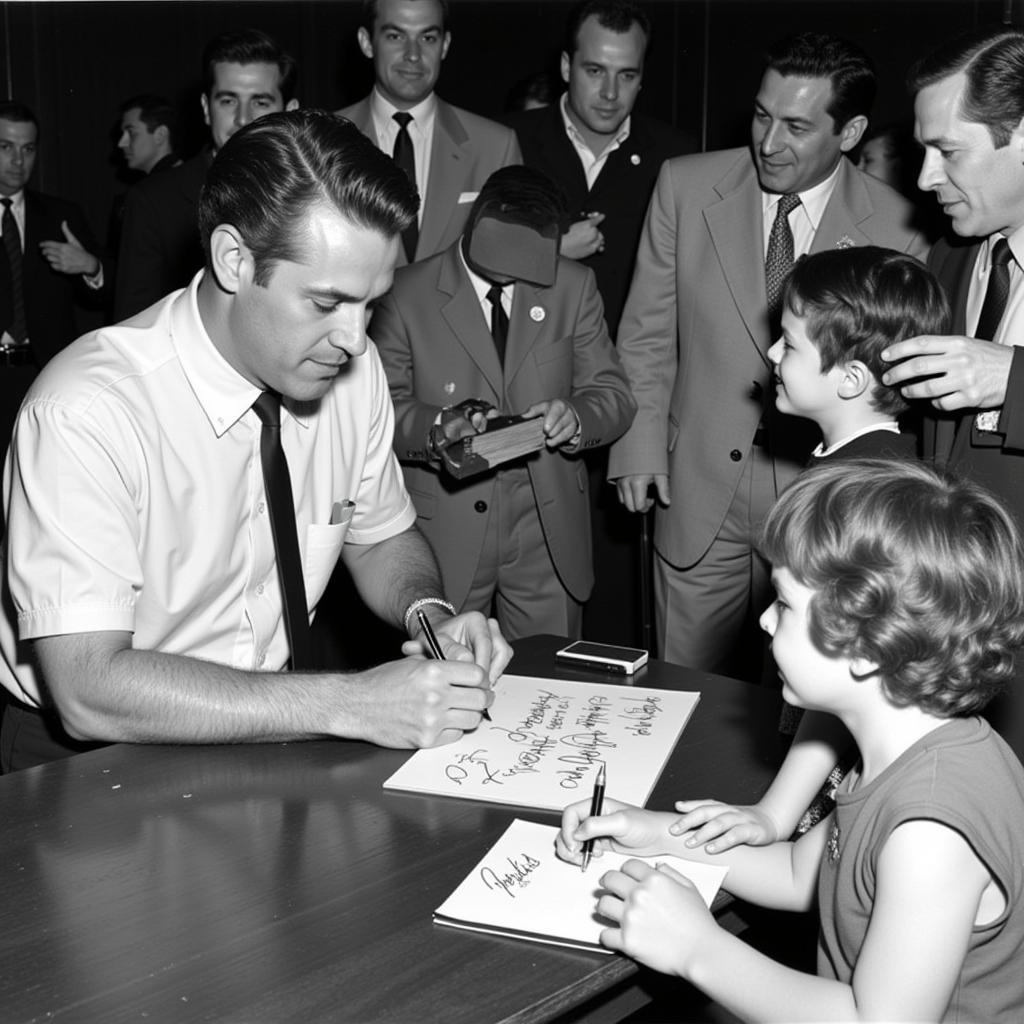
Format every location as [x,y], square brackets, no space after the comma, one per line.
[365,43]
[855,379]
[161,134]
[292,104]
[566,67]
[852,132]
[205,102]
[230,259]
[445,43]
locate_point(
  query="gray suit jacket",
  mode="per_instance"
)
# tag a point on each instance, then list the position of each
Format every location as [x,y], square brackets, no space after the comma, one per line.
[694,334]
[437,350]
[465,151]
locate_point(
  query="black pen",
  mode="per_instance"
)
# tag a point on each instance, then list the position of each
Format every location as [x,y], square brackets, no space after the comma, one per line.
[435,648]
[596,806]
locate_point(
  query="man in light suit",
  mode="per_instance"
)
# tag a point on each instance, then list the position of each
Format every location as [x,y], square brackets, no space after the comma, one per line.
[695,333]
[969,117]
[453,150]
[518,536]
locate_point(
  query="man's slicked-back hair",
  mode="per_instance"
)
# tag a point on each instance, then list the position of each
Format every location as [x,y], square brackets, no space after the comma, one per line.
[20,113]
[993,62]
[847,66]
[919,572]
[268,174]
[250,46]
[155,111]
[859,301]
[615,15]
[369,15]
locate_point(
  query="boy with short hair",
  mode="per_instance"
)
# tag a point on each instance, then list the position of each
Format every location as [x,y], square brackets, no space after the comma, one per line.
[900,608]
[841,309]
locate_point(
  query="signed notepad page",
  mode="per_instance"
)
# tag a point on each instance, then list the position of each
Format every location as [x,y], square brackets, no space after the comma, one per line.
[521,889]
[546,740]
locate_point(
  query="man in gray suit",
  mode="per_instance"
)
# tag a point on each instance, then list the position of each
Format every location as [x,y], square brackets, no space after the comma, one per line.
[450,152]
[696,329]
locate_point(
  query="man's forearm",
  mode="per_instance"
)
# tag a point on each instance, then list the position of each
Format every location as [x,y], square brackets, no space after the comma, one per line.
[392,574]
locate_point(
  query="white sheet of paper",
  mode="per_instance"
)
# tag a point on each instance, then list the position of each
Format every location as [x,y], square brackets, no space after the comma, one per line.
[547,738]
[521,889]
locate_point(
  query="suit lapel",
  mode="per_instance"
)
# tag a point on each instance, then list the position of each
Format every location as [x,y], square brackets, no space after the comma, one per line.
[523,329]
[739,249]
[464,315]
[450,168]
[848,207]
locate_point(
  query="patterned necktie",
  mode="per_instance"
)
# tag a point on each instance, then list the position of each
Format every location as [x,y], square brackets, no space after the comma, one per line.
[405,157]
[18,327]
[277,484]
[779,259]
[992,309]
[499,321]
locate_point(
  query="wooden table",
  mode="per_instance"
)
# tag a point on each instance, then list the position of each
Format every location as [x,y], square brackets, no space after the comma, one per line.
[281,883]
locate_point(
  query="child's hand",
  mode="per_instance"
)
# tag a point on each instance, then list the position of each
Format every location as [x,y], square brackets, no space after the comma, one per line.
[622,828]
[660,915]
[728,826]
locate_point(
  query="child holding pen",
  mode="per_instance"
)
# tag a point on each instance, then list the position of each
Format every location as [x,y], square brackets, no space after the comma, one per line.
[900,607]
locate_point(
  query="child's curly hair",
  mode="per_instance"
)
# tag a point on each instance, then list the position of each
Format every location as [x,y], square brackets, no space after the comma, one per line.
[920,573]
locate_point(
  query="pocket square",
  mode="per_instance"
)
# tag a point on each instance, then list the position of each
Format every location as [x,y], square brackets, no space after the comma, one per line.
[467,197]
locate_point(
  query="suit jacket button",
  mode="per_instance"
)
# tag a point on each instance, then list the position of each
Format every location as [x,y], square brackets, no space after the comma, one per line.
[735,455]
[480,506]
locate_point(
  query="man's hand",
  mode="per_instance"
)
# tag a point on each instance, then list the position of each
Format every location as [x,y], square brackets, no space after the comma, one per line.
[952,372]
[69,257]
[468,638]
[719,827]
[560,421]
[633,491]
[583,238]
[413,702]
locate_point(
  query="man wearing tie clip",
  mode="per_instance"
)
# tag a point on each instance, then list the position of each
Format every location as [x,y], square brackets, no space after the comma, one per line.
[180,487]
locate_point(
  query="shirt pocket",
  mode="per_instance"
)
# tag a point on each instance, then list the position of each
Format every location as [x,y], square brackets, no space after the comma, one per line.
[323,548]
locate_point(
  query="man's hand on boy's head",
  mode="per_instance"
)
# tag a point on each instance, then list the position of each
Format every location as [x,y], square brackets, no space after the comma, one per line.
[950,371]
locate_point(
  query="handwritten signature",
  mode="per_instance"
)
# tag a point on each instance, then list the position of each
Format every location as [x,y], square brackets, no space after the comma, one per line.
[518,877]
[472,763]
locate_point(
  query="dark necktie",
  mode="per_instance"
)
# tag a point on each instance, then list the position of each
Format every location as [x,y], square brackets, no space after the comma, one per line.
[779,259]
[499,321]
[405,157]
[992,309]
[18,327]
[282,523]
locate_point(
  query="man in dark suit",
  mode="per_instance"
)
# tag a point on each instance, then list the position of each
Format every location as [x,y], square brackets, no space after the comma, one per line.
[606,159]
[245,75]
[969,116]
[449,151]
[516,536]
[722,229]
[50,259]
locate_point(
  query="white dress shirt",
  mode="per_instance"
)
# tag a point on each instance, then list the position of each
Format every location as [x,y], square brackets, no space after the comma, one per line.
[803,219]
[592,163]
[421,131]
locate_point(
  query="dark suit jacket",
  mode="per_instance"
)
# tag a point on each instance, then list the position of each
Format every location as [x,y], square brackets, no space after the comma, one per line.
[694,334]
[50,295]
[160,248]
[465,151]
[997,460]
[437,350]
[621,192]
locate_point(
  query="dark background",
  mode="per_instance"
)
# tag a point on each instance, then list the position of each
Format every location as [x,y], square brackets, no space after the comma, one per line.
[74,62]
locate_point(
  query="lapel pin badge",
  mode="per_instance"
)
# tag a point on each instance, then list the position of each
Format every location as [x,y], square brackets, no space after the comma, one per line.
[537,314]
[449,388]
[846,242]
[635,159]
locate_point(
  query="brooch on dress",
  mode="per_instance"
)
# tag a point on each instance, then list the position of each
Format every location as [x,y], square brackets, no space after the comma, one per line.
[846,242]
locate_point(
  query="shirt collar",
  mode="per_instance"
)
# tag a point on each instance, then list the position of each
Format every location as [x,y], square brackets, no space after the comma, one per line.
[222,392]
[813,200]
[889,425]
[17,201]
[1016,242]
[480,284]
[576,136]
[383,111]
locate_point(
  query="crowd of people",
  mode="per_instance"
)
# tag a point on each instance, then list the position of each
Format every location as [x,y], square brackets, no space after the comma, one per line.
[316,315]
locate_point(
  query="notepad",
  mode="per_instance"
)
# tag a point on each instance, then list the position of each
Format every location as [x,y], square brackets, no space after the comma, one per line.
[522,890]
[546,740]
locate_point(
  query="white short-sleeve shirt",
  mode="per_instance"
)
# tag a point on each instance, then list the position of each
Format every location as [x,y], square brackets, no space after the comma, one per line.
[135,499]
